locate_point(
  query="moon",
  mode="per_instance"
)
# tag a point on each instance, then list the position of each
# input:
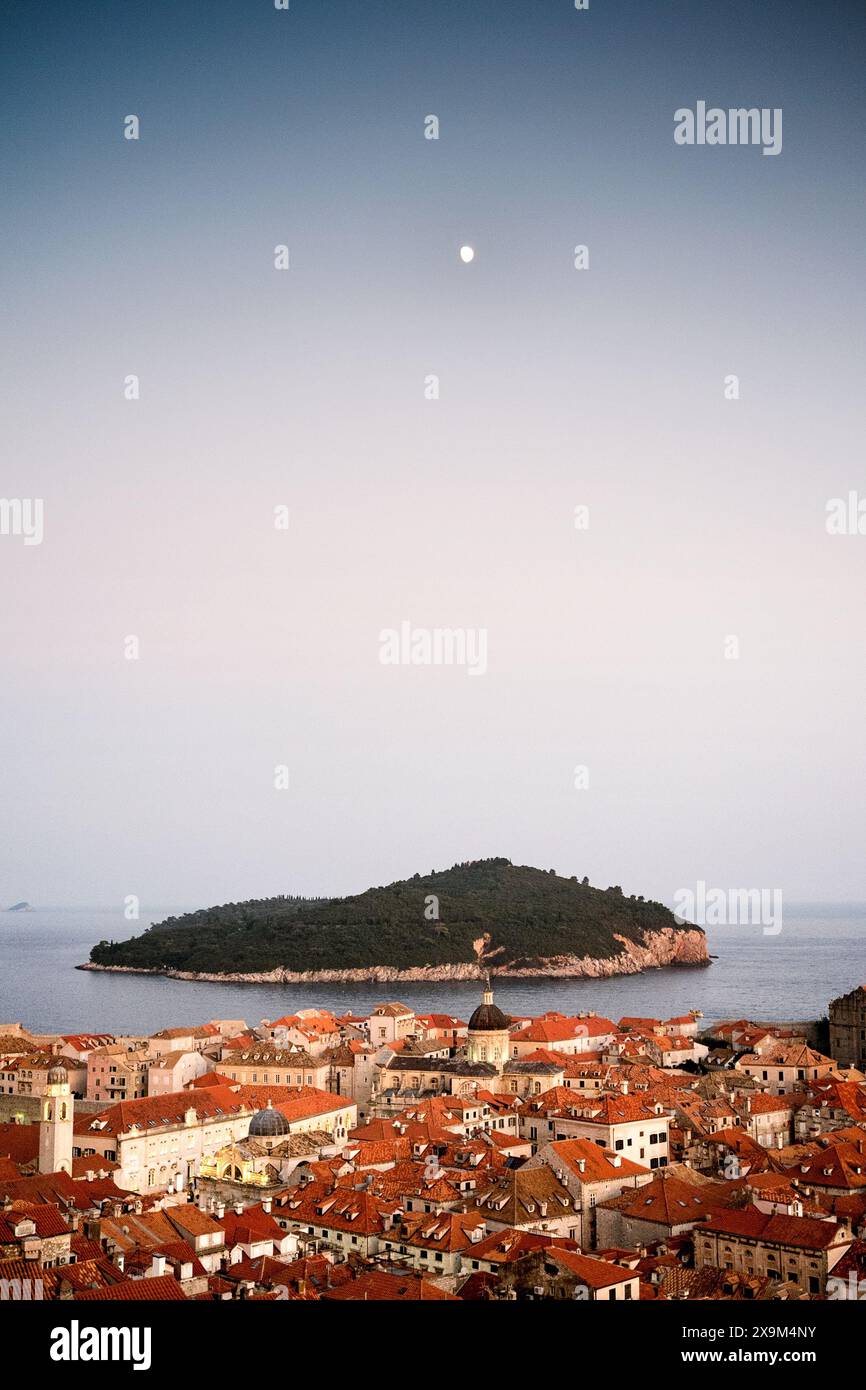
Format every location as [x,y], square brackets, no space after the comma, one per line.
[467,254]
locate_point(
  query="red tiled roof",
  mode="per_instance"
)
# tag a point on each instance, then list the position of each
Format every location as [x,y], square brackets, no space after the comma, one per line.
[47,1220]
[164,1288]
[209,1103]
[252,1225]
[596,1274]
[670,1201]
[599,1165]
[552,1030]
[338,1209]
[19,1142]
[503,1247]
[774,1228]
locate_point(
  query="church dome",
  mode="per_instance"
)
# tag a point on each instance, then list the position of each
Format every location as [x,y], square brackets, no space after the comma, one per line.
[488,1018]
[57,1076]
[268,1123]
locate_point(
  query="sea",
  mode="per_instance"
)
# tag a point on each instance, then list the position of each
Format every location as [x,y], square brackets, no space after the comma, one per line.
[819,954]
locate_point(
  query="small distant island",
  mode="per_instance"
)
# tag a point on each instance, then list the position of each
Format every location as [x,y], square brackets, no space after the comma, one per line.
[481,915]
[19,907]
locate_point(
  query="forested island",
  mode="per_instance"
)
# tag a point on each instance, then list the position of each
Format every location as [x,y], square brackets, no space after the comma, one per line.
[456,923]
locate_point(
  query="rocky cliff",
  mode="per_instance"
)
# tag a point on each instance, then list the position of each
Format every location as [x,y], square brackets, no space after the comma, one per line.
[446,925]
[667,947]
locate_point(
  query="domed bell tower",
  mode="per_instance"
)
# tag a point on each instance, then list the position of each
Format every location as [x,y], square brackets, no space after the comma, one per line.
[55,1125]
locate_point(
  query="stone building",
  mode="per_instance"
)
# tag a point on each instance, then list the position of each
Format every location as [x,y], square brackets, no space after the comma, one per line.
[160,1142]
[801,1250]
[36,1233]
[786,1068]
[27,1075]
[118,1072]
[848,1029]
[267,1065]
[173,1071]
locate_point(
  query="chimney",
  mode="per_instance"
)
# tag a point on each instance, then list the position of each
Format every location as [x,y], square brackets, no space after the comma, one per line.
[220,1210]
[267,1203]
[238,1208]
[157,1267]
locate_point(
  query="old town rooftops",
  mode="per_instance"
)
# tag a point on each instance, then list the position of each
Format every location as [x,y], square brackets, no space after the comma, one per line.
[533,1066]
[594,1109]
[339,1208]
[554,1030]
[595,1273]
[204,1030]
[673,1200]
[589,1162]
[775,1228]
[161,1289]
[452,1231]
[39,1061]
[207,1103]
[157,1112]
[22,1220]
[68,1193]
[267,1054]
[837,1165]
[86,1042]
[168,1060]
[510,1244]
[524,1195]
[799,1055]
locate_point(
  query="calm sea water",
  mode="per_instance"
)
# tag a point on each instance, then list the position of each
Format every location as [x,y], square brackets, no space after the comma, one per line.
[820,953]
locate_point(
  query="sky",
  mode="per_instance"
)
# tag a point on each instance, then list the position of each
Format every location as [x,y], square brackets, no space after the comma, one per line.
[615,730]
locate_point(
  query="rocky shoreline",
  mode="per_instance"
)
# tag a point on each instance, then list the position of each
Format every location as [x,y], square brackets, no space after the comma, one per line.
[668,946]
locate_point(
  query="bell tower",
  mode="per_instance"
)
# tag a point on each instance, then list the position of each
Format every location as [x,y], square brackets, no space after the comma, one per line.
[55,1125]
